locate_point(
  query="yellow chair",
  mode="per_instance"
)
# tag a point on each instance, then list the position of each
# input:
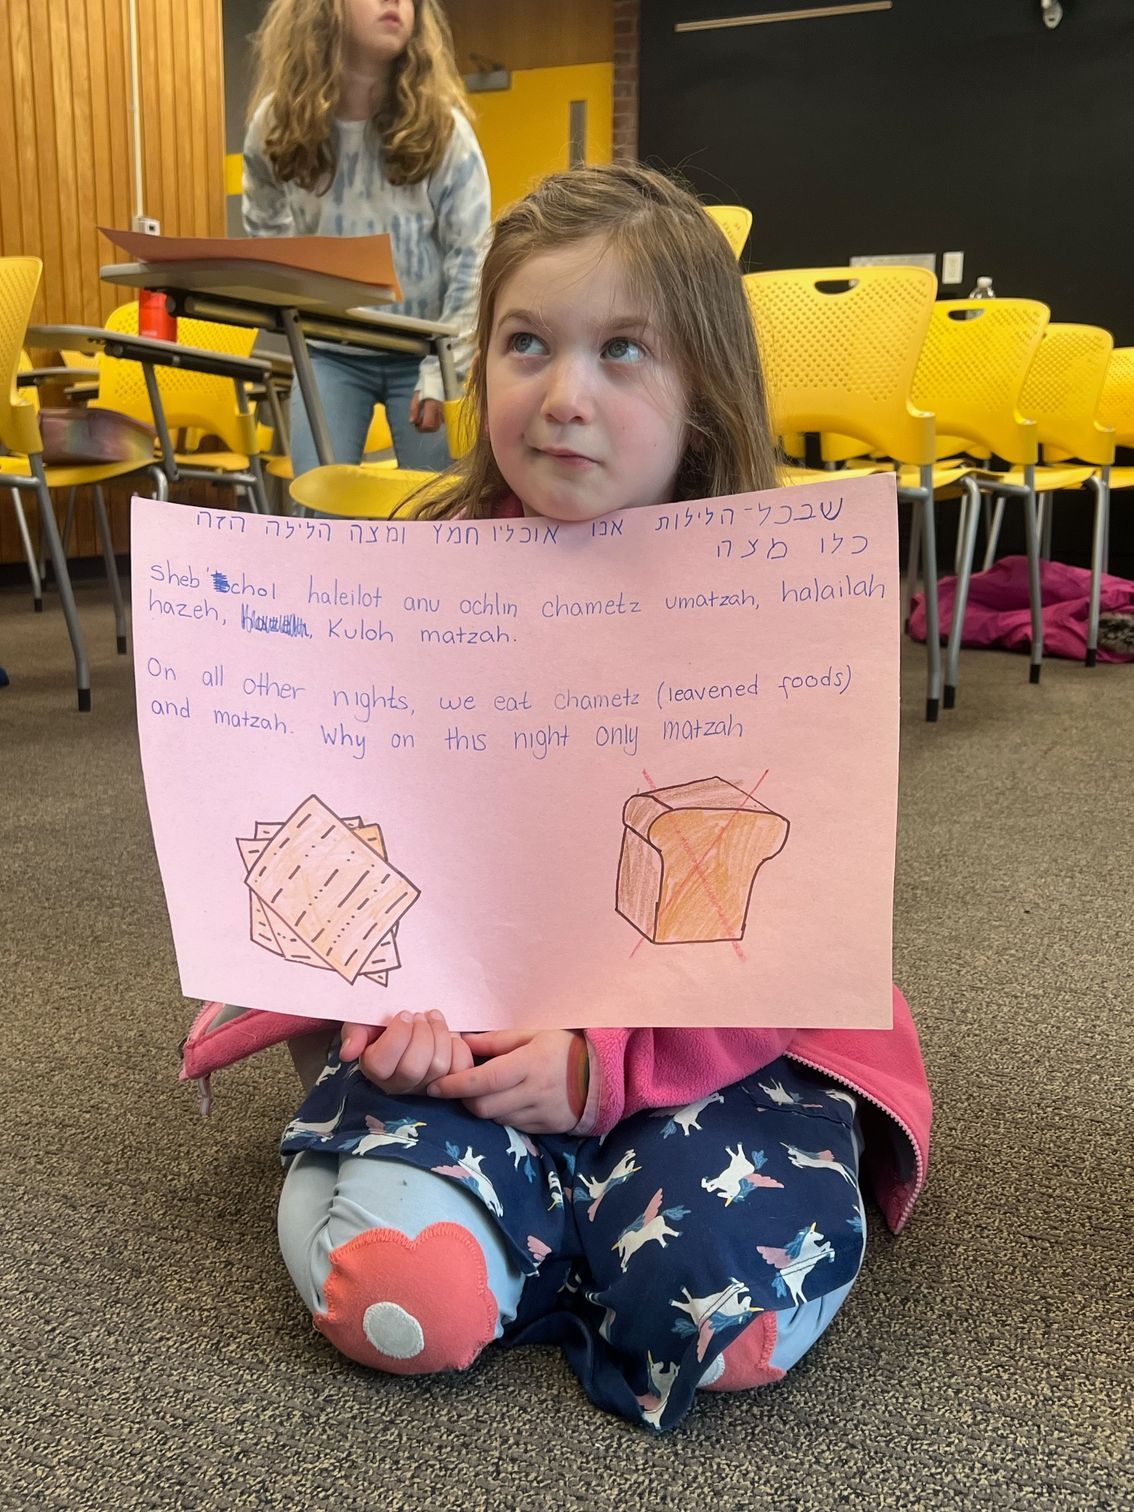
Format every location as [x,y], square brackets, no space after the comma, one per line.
[378,439]
[735,221]
[34,570]
[25,467]
[1062,393]
[840,347]
[974,362]
[1116,409]
[358,492]
[460,426]
[189,401]
[369,490]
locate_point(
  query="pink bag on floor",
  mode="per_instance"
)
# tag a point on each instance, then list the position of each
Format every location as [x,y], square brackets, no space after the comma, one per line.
[998,612]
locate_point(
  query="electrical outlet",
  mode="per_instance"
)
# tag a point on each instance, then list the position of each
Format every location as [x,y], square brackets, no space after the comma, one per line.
[952,267]
[147,223]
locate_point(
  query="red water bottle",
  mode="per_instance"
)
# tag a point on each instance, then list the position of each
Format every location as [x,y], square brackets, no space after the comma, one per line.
[154,318]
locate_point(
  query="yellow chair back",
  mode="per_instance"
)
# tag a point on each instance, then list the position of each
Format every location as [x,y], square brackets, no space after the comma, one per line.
[378,437]
[1062,390]
[1116,404]
[460,426]
[976,356]
[25,365]
[19,281]
[358,492]
[735,221]
[840,347]
[195,401]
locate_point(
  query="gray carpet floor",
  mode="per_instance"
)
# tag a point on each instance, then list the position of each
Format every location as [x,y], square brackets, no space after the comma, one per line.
[154,1355]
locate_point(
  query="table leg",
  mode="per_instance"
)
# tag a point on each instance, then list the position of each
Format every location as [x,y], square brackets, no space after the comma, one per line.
[305,377]
[282,439]
[449,384]
[168,460]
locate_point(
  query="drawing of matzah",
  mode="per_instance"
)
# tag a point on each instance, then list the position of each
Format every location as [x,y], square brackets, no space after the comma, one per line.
[370,833]
[689,860]
[274,934]
[265,829]
[338,895]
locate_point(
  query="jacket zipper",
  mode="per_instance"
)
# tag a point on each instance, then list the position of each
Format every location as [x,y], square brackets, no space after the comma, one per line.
[919,1167]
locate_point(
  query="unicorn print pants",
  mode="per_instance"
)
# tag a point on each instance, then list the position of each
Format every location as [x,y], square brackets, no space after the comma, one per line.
[705,1247]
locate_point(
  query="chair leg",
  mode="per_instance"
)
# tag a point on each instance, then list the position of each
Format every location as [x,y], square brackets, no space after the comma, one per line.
[69,522]
[1101,487]
[1035,591]
[932,617]
[994,533]
[161,482]
[29,551]
[50,532]
[1046,511]
[966,542]
[912,564]
[962,530]
[259,493]
[111,569]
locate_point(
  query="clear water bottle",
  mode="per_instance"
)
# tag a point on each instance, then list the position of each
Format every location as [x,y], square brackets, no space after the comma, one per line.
[983,290]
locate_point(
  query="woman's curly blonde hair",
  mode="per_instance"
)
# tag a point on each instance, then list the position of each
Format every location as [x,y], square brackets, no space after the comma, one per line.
[299,61]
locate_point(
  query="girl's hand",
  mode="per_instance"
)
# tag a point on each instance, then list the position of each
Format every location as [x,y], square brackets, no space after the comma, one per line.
[535,1080]
[410,1053]
[426,414]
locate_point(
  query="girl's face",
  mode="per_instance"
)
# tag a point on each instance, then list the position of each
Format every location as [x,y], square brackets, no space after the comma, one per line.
[377,31]
[586,414]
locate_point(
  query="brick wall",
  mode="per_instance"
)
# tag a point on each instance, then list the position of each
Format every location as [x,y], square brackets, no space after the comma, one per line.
[626,80]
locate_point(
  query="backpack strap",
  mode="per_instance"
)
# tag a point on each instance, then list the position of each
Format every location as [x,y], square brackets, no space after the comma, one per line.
[221,1035]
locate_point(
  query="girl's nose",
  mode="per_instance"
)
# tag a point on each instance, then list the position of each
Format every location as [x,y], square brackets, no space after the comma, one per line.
[567,396]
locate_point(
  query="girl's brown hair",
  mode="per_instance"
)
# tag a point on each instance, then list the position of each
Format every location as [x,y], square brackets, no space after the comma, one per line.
[681,267]
[299,62]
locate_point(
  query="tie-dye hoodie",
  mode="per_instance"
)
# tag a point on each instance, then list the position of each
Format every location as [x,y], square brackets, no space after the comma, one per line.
[438,228]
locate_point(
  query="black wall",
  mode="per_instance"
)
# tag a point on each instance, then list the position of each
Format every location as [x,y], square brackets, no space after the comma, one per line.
[938,125]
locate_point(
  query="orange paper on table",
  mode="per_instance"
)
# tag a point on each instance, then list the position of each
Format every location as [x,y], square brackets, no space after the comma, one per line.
[363,259]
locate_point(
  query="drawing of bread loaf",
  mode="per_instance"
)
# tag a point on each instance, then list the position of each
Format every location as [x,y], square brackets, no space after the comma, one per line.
[689,860]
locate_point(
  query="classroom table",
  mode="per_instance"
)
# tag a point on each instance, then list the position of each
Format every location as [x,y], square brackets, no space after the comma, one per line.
[301,306]
[150,352]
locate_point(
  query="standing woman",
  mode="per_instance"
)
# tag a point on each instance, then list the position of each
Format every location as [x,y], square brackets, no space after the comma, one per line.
[360,124]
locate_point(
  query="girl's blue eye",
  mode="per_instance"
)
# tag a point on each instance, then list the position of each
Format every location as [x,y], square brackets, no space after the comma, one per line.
[524,344]
[623,349]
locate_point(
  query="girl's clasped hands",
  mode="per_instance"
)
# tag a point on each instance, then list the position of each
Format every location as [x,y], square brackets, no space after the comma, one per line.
[533,1079]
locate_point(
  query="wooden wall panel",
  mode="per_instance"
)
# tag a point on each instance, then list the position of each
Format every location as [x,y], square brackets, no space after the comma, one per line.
[65,107]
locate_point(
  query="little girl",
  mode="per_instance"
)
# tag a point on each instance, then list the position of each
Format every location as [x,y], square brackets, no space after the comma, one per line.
[679,1209]
[359,125]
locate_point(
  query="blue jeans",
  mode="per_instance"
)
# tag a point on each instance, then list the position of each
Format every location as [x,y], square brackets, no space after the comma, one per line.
[350,385]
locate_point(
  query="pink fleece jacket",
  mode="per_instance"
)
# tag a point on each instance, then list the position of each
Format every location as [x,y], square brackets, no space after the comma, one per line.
[633,1069]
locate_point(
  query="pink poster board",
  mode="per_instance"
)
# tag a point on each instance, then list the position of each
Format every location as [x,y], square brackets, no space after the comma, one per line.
[640,772]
